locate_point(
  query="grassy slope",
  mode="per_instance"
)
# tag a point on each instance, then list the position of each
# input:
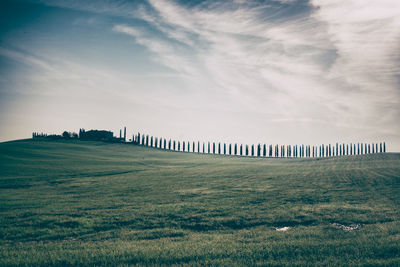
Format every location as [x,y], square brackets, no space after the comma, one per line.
[84,203]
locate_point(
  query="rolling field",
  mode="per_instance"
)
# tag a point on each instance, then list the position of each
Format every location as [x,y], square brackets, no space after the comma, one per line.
[90,203]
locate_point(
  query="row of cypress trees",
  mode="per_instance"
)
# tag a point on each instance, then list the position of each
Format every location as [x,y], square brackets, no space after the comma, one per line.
[259,150]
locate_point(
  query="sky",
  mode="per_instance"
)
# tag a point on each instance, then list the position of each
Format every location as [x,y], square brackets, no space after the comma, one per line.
[274,72]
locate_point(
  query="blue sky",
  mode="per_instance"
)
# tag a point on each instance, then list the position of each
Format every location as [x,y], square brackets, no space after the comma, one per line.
[287,72]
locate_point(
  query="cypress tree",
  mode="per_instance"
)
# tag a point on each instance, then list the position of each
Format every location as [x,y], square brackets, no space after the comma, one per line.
[230,149]
[265,150]
[198,146]
[183,146]
[380,144]
[204,148]
[384,147]
[241,149]
[219,148]
[224,149]
[213,147]
[252,150]
[247,150]
[373,148]
[208,148]
[376,147]
[174,145]
[235,151]
[179,145]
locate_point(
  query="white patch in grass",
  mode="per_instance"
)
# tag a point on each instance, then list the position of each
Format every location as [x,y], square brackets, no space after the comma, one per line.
[282,229]
[345,228]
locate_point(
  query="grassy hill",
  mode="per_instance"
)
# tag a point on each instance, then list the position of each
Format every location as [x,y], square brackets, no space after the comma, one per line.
[90,203]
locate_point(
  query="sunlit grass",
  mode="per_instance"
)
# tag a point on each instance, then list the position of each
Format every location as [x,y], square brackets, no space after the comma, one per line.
[88,203]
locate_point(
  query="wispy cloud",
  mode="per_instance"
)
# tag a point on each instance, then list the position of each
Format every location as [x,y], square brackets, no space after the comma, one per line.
[316,66]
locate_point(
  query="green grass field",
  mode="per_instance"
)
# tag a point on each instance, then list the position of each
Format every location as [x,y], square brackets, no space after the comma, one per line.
[90,203]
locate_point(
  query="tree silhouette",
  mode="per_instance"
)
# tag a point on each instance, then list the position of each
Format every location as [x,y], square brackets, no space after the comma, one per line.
[241,149]
[208,148]
[219,148]
[224,149]
[235,149]
[230,149]
[66,135]
[213,147]
[247,150]
[384,147]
